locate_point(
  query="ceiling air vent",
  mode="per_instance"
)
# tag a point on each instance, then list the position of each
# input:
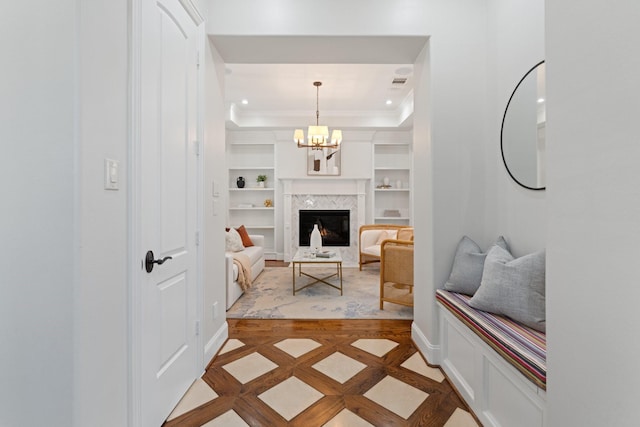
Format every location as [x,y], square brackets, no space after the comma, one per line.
[399,80]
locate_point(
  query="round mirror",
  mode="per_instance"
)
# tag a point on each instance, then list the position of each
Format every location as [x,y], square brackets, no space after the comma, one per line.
[522,138]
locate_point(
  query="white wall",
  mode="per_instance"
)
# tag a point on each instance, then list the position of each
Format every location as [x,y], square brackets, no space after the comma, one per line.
[449,139]
[64,282]
[215,207]
[37,228]
[516,43]
[326,17]
[477,53]
[594,212]
[356,154]
[101,292]
[473,61]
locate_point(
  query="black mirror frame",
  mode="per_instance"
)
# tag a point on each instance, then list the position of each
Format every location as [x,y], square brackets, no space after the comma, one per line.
[504,161]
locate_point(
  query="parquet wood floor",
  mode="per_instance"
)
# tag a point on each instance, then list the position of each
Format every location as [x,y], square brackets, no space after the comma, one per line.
[260,336]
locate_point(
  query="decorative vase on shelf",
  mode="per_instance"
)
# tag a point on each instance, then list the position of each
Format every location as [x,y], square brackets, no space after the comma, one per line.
[240,182]
[385,181]
[315,240]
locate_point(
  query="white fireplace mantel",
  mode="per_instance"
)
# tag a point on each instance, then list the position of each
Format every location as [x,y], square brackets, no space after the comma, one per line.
[323,193]
[324,185]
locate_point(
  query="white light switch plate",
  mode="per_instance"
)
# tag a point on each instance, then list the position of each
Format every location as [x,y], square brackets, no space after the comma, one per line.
[214,188]
[111,174]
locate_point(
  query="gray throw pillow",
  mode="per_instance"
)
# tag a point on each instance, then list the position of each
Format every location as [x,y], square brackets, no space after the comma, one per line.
[468,265]
[513,287]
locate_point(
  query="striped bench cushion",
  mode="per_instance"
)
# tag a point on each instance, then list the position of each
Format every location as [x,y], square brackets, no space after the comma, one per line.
[521,346]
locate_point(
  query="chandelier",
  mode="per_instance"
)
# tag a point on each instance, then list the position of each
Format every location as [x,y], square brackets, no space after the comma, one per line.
[318,136]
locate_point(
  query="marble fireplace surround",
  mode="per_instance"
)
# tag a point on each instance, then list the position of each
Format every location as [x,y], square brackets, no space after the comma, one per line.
[315,193]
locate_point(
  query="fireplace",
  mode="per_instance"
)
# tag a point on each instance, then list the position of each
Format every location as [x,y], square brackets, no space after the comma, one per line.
[333,225]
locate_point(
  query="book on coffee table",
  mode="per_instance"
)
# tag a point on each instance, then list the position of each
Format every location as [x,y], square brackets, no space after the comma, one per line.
[325,254]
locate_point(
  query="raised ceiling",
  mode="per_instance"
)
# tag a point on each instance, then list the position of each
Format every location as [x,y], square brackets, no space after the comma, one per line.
[275,74]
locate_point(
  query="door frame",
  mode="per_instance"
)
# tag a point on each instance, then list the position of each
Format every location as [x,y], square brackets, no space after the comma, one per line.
[136,252]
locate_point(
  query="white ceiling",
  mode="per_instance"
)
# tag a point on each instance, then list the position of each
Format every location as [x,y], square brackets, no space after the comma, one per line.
[345,87]
[276,74]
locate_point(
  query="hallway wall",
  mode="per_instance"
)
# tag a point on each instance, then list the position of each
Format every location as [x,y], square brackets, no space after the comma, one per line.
[449,139]
[515,31]
[101,292]
[594,212]
[38,213]
[214,220]
[65,257]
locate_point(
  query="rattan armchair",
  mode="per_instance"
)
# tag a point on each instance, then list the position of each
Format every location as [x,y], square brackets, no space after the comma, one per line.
[369,240]
[396,272]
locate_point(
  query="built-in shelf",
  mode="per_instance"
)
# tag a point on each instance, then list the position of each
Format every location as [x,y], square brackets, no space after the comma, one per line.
[250,159]
[248,168]
[255,227]
[392,166]
[392,218]
[257,208]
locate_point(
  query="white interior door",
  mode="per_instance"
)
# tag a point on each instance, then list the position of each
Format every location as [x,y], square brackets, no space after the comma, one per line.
[168,206]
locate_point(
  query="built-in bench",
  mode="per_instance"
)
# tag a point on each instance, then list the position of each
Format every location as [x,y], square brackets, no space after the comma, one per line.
[497,365]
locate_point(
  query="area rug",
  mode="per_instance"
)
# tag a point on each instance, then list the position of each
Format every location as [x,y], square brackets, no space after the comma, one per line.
[271,297]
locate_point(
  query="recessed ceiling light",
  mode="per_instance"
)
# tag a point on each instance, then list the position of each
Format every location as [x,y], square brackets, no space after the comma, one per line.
[540,100]
[245,102]
[389,102]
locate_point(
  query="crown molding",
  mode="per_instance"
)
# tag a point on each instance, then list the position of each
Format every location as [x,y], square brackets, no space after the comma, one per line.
[237,118]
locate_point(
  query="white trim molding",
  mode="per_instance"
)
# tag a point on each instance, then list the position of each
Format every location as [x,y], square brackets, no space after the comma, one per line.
[215,343]
[193,11]
[432,352]
[134,385]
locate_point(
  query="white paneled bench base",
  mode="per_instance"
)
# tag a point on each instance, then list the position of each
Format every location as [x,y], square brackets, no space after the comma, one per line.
[498,366]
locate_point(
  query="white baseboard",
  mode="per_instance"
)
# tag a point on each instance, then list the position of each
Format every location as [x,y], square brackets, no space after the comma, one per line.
[215,343]
[432,352]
